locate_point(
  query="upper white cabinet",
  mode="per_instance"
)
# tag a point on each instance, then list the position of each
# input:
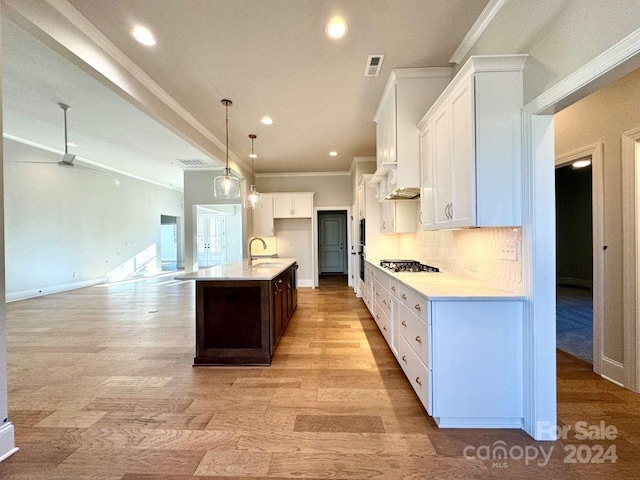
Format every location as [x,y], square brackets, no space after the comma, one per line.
[292,205]
[362,202]
[408,94]
[399,217]
[263,217]
[470,148]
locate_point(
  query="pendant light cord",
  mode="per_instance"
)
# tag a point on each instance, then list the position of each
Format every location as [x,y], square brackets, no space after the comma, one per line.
[226,122]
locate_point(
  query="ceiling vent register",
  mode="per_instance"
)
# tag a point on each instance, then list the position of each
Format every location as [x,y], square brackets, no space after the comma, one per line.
[193,163]
[374,65]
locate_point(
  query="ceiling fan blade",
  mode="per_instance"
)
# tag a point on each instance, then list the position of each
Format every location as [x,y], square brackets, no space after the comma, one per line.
[94,170]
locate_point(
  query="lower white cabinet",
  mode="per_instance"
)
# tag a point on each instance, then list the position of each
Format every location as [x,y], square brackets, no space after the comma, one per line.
[463,358]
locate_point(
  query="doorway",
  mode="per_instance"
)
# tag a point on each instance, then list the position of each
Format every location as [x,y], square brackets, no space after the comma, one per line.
[168,243]
[332,246]
[218,234]
[574,259]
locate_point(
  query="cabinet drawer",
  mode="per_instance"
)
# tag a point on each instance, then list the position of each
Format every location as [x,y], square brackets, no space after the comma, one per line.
[382,297]
[418,375]
[414,302]
[383,322]
[382,278]
[416,333]
[394,287]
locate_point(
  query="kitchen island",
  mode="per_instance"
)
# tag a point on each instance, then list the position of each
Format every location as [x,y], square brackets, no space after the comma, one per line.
[242,311]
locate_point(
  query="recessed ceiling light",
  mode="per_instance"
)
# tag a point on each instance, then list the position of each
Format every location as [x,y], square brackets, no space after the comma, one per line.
[333,154]
[143,35]
[253,155]
[71,144]
[336,28]
[581,163]
[267,120]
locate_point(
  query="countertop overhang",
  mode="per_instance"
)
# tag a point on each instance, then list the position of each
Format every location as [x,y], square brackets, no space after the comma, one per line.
[446,286]
[263,269]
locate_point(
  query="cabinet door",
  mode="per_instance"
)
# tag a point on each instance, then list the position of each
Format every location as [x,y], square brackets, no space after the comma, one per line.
[426,178]
[380,127]
[263,218]
[282,206]
[277,306]
[387,217]
[302,206]
[462,211]
[441,169]
[391,127]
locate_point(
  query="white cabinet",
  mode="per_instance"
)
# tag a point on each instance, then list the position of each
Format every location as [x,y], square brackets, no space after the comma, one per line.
[463,358]
[263,217]
[408,94]
[399,216]
[470,147]
[292,205]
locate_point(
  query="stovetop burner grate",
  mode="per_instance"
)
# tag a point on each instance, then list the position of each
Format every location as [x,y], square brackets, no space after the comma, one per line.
[407,266]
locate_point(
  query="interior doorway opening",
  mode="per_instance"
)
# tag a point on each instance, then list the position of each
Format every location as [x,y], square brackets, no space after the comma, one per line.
[218,234]
[574,259]
[168,243]
[332,241]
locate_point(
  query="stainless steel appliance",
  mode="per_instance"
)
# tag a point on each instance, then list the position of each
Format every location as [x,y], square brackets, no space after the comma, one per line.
[396,265]
[363,235]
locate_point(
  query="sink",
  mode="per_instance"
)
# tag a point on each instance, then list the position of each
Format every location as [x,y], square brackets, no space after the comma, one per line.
[267,265]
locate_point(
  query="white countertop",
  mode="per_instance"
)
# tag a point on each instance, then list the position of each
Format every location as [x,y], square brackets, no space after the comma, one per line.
[446,286]
[262,269]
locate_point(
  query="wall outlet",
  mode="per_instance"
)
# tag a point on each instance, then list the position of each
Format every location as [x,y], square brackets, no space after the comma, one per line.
[509,251]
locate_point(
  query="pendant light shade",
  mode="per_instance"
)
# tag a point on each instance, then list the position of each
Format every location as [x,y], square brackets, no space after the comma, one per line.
[226,185]
[253,198]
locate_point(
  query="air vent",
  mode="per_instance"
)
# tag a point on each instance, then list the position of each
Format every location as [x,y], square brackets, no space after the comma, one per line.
[374,64]
[193,163]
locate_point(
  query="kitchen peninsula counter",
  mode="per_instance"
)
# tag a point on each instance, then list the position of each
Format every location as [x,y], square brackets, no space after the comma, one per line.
[242,311]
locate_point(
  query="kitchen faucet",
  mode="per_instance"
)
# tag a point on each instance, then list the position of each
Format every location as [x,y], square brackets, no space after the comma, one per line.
[264,245]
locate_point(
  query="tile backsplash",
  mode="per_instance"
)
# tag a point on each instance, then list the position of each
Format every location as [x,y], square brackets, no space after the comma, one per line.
[476,253]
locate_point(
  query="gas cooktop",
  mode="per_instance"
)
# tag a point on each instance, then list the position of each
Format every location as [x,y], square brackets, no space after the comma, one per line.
[407,266]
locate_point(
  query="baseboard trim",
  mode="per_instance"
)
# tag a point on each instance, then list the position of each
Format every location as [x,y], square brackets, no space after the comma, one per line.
[612,371]
[24,294]
[305,283]
[7,441]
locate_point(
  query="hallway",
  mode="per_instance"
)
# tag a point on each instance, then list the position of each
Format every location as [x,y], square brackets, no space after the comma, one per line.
[101,385]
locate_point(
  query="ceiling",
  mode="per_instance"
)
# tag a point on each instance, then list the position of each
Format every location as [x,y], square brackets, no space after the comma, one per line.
[269,57]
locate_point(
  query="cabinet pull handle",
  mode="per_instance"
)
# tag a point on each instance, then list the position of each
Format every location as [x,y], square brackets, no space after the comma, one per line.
[377,316]
[420,217]
[384,328]
[418,380]
[393,289]
[384,301]
[404,358]
[377,294]
[418,307]
[404,323]
[384,225]
[418,339]
[404,297]
[280,281]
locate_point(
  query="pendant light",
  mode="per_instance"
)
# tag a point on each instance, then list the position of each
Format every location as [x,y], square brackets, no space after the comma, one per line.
[226,186]
[253,198]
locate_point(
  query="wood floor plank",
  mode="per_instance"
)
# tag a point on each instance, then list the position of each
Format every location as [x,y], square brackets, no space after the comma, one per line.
[100,388]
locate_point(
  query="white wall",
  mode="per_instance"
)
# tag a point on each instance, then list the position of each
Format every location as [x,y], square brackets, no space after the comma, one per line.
[330,190]
[63,220]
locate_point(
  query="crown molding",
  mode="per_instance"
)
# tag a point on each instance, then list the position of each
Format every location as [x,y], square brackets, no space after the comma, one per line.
[477,29]
[357,160]
[303,174]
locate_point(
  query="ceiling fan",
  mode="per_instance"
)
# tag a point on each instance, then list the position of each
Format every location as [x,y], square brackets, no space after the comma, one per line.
[68,158]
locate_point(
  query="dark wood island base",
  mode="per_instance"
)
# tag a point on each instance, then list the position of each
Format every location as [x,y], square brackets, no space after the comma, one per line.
[240,322]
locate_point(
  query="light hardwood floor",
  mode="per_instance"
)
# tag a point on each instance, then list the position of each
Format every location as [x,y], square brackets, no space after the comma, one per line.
[101,386]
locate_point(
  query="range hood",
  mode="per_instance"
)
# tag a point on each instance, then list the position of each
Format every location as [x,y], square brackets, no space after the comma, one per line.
[403,193]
